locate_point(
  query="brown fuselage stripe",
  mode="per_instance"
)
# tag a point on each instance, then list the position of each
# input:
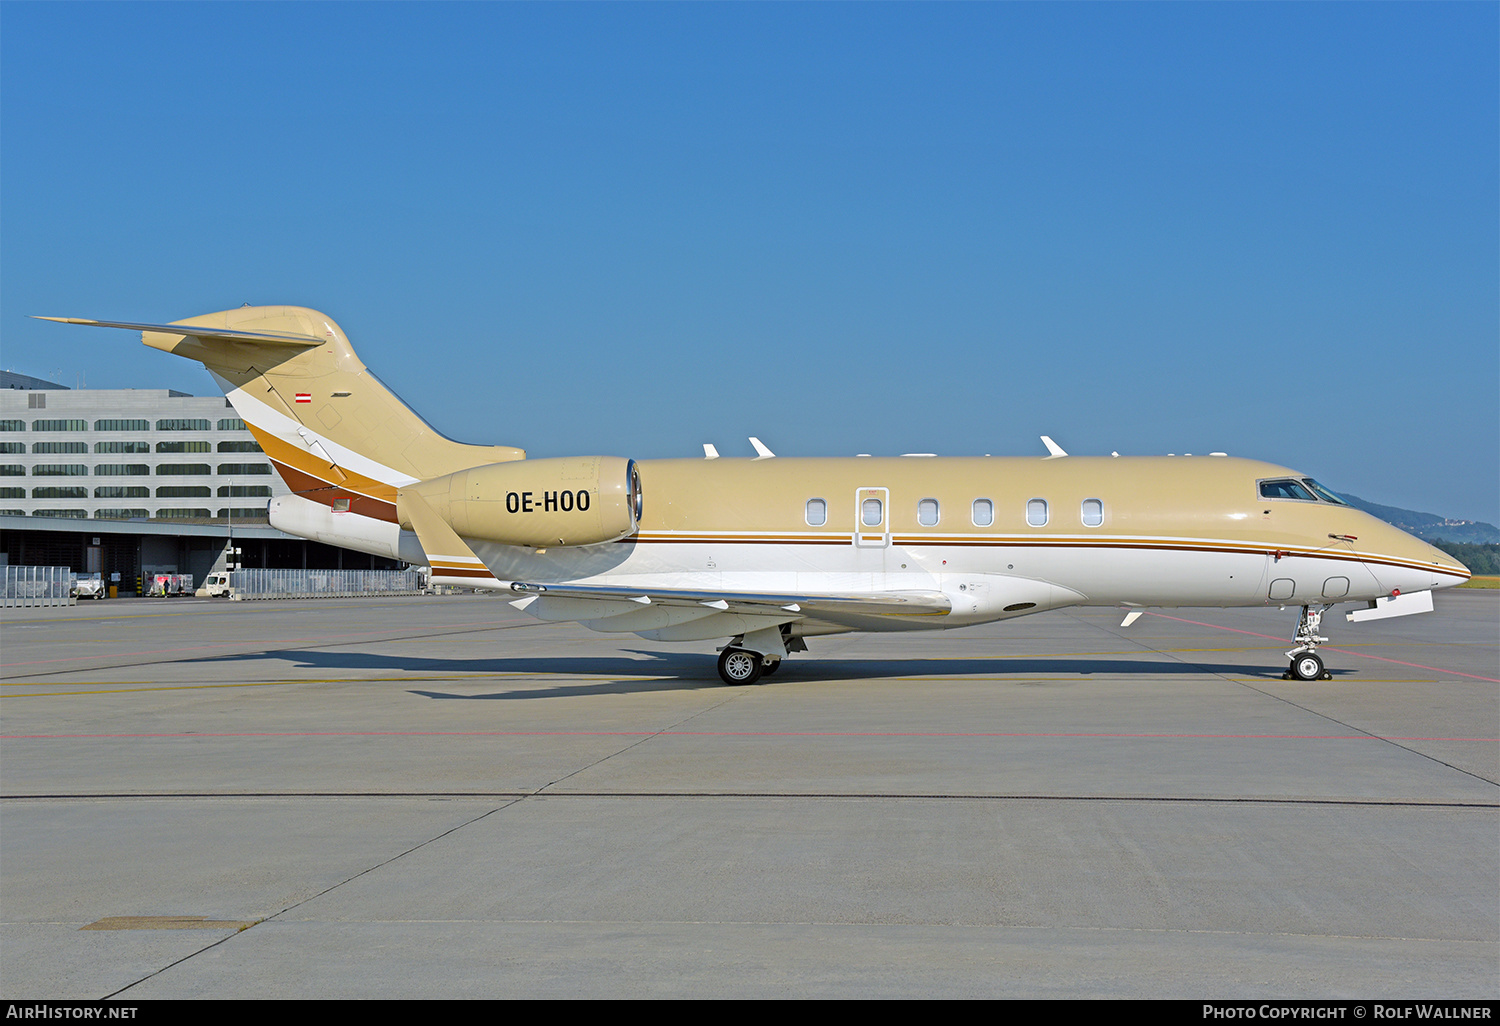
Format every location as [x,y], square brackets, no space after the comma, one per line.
[319,490]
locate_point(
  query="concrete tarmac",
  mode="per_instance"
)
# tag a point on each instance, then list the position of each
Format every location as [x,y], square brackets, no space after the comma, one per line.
[441,797]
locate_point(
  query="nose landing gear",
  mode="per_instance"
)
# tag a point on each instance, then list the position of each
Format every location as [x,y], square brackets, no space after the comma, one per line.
[1306,663]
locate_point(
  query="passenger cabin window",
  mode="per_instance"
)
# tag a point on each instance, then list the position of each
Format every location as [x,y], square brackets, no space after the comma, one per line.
[1036,512]
[984,513]
[1092,512]
[927,512]
[871,513]
[817,512]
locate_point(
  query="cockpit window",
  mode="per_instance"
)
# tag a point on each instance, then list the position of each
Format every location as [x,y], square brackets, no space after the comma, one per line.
[1285,488]
[1323,493]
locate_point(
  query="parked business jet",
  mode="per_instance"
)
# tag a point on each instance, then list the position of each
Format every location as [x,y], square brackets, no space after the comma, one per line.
[767,552]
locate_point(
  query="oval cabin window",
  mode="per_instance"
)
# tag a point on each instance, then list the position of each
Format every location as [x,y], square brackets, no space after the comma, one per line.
[927,512]
[817,512]
[1093,512]
[984,512]
[871,513]
[1036,512]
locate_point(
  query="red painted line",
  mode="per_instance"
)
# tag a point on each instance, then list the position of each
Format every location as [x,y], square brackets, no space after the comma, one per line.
[1329,648]
[734,733]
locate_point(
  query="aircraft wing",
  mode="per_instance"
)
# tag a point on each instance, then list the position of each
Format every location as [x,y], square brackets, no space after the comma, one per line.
[833,606]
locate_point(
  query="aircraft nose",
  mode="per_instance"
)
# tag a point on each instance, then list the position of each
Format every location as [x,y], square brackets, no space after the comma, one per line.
[1401,561]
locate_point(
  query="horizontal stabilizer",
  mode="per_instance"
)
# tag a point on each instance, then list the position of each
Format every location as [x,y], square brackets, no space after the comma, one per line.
[271,338]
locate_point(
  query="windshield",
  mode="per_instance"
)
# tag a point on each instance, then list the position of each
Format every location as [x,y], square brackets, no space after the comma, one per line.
[1323,493]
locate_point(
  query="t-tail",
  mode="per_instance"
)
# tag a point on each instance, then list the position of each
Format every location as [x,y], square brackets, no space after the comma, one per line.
[335,433]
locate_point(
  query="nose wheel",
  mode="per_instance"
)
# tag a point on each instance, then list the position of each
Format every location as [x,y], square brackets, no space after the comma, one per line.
[1308,666]
[1306,663]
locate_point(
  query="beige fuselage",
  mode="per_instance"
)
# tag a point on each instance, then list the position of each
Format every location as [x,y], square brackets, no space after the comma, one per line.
[712,548]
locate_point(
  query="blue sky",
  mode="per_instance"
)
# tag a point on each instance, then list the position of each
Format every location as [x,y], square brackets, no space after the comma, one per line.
[1266,229]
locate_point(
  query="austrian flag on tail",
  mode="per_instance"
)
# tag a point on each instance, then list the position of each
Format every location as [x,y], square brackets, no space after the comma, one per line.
[304,397]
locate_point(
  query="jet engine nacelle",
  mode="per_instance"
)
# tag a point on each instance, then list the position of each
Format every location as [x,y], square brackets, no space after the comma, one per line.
[575,500]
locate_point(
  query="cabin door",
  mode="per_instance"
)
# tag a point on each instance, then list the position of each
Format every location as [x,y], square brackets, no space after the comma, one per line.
[872,518]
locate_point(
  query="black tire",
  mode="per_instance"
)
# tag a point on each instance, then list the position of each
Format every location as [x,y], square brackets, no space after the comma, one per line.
[770,667]
[738,666]
[1308,666]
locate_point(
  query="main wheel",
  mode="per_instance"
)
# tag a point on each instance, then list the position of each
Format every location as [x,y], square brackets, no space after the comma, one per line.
[1308,666]
[737,666]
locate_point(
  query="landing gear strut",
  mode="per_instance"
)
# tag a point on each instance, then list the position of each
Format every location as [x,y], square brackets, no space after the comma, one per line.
[1306,663]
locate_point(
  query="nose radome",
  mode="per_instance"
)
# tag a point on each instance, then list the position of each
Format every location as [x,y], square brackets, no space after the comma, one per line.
[1406,562]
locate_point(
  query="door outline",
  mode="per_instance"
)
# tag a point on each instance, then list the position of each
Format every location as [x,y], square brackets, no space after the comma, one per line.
[879,535]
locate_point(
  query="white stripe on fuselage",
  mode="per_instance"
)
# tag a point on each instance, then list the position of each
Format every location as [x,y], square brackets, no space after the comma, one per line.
[269,419]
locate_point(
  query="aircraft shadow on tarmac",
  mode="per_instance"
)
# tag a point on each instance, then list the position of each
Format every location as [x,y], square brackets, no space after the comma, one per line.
[674,671]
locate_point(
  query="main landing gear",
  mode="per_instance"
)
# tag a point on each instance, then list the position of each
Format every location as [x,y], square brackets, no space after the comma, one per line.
[1306,663]
[738,666]
[741,664]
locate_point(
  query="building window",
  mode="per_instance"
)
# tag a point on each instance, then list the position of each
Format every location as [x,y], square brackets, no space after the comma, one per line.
[1092,512]
[60,493]
[121,492]
[101,447]
[182,424]
[59,470]
[257,491]
[244,468]
[121,470]
[12,470]
[232,424]
[12,493]
[1036,512]
[59,425]
[984,513]
[67,514]
[13,447]
[183,447]
[184,514]
[120,514]
[12,425]
[182,469]
[36,401]
[59,447]
[240,447]
[183,492]
[927,512]
[817,512]
[245,513]
[122,425]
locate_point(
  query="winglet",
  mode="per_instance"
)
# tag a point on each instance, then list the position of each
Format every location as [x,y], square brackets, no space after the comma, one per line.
[761,452]
[1053,449]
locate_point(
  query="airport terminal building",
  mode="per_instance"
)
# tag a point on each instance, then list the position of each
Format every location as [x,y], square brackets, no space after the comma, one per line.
[139,481]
